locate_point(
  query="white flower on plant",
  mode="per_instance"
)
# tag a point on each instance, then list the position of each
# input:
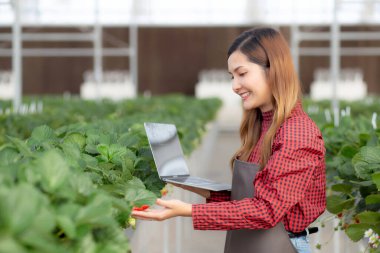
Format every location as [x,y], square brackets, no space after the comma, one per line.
[368,233]
[374,238]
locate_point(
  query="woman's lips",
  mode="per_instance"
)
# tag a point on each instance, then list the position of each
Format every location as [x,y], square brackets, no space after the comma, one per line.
[245,95]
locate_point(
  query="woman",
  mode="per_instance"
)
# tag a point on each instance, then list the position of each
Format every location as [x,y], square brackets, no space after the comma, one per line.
[278,186]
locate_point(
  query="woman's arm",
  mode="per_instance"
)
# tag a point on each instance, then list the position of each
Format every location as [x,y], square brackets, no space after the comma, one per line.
[298,153]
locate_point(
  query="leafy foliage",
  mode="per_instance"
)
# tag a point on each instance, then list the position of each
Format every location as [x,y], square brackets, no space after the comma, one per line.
[353,167]
[71,187]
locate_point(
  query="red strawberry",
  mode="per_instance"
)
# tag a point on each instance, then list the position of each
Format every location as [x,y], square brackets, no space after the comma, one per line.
[164,191]
[141,208]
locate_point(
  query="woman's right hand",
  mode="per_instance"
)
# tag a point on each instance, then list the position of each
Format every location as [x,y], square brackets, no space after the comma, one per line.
[202,192]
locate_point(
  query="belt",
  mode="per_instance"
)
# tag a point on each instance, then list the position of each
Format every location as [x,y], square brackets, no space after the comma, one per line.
[304,232]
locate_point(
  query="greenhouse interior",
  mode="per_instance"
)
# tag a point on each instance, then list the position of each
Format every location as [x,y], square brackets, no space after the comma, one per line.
[80,81]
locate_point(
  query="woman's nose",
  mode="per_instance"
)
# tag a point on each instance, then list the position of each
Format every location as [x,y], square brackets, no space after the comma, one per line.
[235,85]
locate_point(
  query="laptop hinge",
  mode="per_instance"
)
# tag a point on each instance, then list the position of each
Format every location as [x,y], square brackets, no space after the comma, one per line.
[177,176]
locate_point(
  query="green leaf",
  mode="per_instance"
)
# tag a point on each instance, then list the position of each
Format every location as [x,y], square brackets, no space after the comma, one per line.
[43,136]
[139,197]
[76,138]
[72,154]
[122,205]
[369,217]
[362,183]
[364,137]
[336,204]
[376,179]
[135,183]
[91,143]
[356,231]
[117,153]
[129,140]
[348,151]
[372,199]
[87,244]
[345,188]
[145,152]
[53,170]
[44,222]
[8,156]
[21,146]
[346,170]
[103,150]
[41,243]
[128,168]
[98,211]
[9,244]
[114,189]
[69,209]
[67,225]
[89,160]
[366,162]
[82,184]
[19,207]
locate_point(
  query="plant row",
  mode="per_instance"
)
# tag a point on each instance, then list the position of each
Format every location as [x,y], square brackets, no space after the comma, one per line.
[70,185]
[353,168]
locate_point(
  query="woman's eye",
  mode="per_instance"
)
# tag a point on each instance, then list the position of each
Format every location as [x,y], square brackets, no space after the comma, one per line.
[232,77]
[242,74]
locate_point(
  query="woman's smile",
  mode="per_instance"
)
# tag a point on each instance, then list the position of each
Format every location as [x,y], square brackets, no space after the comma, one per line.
[245,95]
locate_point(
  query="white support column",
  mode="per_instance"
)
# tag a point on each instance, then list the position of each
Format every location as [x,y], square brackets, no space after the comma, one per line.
[294,44]
[336,237]
[178,230]
[335,60]
[98,50]
[133,59]
[16,55]
[165,245]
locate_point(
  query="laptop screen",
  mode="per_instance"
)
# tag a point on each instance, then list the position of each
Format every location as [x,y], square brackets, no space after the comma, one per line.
[166,149]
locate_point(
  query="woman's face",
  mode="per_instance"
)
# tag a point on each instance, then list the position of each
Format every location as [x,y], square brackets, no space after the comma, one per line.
[249,82]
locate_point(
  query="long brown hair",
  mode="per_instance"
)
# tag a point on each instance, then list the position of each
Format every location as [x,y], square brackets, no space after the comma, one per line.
[269,49]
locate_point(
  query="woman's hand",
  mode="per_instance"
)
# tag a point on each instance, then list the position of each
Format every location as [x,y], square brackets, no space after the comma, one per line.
[172,208]
[202,192]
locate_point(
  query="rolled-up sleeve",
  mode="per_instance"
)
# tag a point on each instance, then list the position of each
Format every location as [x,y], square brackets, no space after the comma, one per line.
[219,196]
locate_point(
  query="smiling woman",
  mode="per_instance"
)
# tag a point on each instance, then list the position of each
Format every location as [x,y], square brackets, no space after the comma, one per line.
[249,82]
[278,185]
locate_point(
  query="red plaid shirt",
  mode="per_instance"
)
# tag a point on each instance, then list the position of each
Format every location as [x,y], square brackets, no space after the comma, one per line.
[291,187]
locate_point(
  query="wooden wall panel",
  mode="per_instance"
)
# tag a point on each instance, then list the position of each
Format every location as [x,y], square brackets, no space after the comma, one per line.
[169,60]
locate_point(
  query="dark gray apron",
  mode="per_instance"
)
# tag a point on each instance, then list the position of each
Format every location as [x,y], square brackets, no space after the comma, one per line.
[274,240]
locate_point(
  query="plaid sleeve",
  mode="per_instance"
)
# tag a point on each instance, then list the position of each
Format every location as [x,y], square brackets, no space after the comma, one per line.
[219,196]
[297,152]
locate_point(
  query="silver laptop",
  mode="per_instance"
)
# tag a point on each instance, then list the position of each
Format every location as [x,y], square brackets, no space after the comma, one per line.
[169,158]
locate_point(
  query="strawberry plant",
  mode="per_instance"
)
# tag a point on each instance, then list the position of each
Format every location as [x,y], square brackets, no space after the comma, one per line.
[353,170]
[70,186]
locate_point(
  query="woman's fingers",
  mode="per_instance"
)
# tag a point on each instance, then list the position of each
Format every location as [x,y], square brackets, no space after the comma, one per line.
[163,203]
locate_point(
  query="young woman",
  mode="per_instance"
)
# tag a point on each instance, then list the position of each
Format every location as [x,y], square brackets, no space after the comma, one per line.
[278,186]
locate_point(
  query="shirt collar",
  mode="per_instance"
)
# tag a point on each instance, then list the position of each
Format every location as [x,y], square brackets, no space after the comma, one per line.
[268,116]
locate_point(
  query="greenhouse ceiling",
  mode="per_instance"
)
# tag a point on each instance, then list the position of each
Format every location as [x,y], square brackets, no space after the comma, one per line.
[190,13]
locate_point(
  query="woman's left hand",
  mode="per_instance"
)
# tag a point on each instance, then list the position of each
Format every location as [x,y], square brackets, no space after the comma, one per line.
[172,208]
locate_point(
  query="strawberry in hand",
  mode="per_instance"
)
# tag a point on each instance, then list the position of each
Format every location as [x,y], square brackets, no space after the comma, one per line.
[141,208]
